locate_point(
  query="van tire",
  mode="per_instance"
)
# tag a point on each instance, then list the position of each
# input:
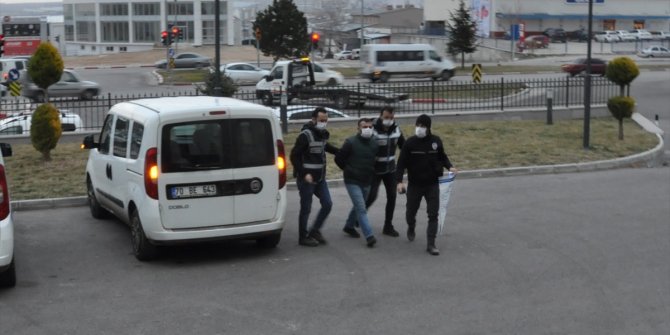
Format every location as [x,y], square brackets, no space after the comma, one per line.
[96,210]
[142,248]
[266,98]
[384,77]
[8,277]
[87,95]
[269,242]
[446,75]
[331,82]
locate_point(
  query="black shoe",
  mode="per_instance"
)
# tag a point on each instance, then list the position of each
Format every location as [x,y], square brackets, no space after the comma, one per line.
[388,230]
[315,234]
[410,233]
[308,242]
[351,232]
[371,241]
[433,250]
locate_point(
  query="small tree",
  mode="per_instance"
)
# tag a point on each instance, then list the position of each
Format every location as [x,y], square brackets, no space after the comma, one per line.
[45,129]
[462,33]
[228,88]
[45,67]
[283,30]
[621,107]
[622,71]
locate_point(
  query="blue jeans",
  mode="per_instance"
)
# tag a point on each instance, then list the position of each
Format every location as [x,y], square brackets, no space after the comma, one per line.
[306,191]
[358,194]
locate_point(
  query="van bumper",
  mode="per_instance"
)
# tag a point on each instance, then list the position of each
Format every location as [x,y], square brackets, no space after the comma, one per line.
[6,242]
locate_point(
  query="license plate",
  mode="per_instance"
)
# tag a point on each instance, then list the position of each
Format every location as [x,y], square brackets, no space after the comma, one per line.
[195,191]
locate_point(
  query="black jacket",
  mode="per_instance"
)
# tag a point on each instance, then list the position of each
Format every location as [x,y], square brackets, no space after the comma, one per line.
[309,152]
[387,141]
[357,159]
[424,159]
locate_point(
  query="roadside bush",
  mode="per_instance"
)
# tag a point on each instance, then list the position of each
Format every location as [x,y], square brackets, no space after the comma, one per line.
[622,71]
[228,88]
[45,67]
[621,107]
[45,129]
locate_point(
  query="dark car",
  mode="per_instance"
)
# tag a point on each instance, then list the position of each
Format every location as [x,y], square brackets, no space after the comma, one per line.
[556,35]
[579,35]
[578,66]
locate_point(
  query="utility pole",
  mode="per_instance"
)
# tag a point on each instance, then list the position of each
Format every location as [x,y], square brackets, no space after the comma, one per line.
[587,81]
[217,50]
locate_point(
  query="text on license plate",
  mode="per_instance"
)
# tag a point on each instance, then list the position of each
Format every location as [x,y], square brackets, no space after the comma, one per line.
[178,192]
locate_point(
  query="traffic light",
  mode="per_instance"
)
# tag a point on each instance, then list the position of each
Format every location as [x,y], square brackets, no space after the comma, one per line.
[258,34]
[315,40]
[175,33]
[2,45]
[180,34]
[164,37]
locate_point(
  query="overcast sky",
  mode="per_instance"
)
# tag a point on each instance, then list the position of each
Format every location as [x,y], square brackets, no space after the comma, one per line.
[24,1]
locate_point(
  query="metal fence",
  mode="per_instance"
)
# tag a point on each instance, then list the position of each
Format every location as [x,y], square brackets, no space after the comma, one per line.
[422,97]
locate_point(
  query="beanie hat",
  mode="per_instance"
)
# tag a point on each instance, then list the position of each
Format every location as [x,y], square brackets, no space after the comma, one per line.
[423,120]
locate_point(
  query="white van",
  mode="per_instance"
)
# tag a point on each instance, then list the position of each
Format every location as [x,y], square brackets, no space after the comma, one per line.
[7,64]
[19,124]
[185,169]
[381,61]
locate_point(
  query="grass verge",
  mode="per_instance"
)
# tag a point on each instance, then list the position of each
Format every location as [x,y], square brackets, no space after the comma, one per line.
[470,145]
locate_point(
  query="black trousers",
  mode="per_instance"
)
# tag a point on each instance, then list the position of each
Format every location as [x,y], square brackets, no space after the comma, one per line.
[432,195]
[390,184]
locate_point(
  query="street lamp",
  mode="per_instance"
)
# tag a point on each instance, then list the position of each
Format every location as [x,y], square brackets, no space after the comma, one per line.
[587,81]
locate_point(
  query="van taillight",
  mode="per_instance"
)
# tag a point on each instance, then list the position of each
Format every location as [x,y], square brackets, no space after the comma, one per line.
[4,194]
[151,173]
[281,163]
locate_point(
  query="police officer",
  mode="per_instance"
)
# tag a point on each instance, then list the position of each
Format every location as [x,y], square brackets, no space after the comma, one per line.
[308,158]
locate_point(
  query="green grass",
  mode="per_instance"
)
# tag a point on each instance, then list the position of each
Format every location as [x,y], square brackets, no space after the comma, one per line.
[470,145]
[183,76]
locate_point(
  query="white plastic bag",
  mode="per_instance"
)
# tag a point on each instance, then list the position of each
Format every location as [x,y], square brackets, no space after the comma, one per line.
[446,185]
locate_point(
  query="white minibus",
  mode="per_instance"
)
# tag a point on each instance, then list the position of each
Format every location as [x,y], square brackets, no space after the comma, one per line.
[382,61]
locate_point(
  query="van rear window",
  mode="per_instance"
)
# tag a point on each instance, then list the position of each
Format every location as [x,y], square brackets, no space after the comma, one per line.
[222,144]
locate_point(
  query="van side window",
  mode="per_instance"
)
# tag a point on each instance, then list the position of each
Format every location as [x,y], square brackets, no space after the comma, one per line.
[19,66]
[105,135]
[252,140]
[278,73]
[434,56]
[121,137]
[136,140]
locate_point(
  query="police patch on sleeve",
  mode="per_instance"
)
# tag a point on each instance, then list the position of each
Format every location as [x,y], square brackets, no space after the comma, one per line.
[434,145]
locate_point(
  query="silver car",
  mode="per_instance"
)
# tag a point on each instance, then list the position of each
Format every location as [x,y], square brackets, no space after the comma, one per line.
[243,73]
[69,85]
[186,60]
[654,51]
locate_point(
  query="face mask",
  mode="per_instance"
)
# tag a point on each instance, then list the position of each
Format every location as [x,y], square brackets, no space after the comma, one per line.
[387,123]
[366,132]
[420,132]
[321,125]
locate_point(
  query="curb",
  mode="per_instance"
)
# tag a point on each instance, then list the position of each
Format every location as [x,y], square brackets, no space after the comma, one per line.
[650,158]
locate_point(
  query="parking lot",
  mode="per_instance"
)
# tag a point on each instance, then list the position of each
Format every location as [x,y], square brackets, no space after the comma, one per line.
[551,254]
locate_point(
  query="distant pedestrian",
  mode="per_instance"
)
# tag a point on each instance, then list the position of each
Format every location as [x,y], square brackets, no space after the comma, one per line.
[308,158]
[424,158]
[357,159]
[389,138]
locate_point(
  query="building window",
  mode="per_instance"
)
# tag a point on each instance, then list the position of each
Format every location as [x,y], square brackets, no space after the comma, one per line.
[609,24]
[208,32]
[114,9]
[208,8]
[86,31]
[68,12]
[123,49]
[109,49]
[638,24]
[114,31]
[146,31]
[146,9]
[84,10]
[180,8]
[69,32]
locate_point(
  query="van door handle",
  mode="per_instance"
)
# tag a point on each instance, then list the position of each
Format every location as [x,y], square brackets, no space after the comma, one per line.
[109,171]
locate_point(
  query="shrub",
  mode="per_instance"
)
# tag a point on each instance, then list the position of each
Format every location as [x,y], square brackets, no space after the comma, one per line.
[228,88]
[45,129]
[622,71]
[45,67]
[621,107]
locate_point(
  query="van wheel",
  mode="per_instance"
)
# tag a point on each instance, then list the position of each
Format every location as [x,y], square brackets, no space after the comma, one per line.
[266,98]
[269,242]
[341,101]
[446,75]
[142,248]
[384,77]
[8,278]
[331,82]
[96,210]
[87,95]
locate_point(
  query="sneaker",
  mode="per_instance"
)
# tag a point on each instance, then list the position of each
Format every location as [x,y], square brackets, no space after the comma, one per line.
[308,242]
[410,233]
[315,234]
[371,241]
[390,231]
[351,232]
[433,250]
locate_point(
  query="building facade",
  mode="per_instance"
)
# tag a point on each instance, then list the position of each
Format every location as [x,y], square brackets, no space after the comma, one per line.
[108,26]
[495,17]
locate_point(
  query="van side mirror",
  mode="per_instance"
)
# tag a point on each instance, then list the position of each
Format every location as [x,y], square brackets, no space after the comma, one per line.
[89,142]
[6,149]
[269,77]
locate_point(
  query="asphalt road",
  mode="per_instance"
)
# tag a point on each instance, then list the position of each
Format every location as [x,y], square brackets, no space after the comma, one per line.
[549,254]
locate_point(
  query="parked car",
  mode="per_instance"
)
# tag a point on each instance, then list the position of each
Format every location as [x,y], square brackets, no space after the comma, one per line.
[20,124]
[609,36]
[189,169]
[654,51]
[242,73]
[304,112]
[325,76]
[69,85]
[598,66]
[555,35]
[660,35]
[533,42]
[625,36]
[344,54]
[7,261]
[186,60]
[579,35]
[641,34]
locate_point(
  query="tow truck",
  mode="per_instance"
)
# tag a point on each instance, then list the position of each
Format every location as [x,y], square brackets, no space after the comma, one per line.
[296,79]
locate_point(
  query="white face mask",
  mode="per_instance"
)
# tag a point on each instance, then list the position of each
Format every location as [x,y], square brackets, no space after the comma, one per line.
[321,125]
[420,132]
[387,123]
[366,132]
